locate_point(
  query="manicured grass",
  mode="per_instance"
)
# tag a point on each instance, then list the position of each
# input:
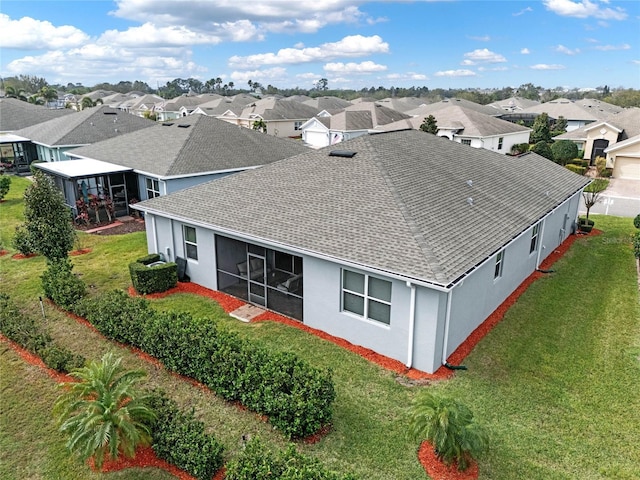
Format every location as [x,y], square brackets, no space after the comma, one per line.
[556,382]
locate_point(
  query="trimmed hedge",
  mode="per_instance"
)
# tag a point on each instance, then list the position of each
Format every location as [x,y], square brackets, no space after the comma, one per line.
[256,462]
[295,396]
[158,278]
[576,168]
[29,334]
[181,440]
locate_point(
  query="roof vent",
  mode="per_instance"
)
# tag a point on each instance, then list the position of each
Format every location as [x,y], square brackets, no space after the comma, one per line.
[184,125]
[470,183]
[115,120]
[91,123]
[167,124]
[107,112]
[342,153]
[115,130]
[470,201]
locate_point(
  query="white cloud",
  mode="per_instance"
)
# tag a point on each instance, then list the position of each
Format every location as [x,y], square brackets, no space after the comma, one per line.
[263,76]
[407,76]
[566,50]
[545,66]
[484,38]
[266,15]
[525,51]
[354,68]
[608,48]
[523,11]
[584,9]
[636,62]
[308,76]
[493,69]
[483,55]
[351,46]
[455,73]
[30,34]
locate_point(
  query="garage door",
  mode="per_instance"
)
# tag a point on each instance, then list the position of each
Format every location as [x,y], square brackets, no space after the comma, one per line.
[628,168]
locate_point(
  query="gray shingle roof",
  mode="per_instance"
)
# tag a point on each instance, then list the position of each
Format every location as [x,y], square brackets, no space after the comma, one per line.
[425,110]
[16,114]
[399,205]
[628,120]
[278,109]
[88,126]
[570,110]
[206,145]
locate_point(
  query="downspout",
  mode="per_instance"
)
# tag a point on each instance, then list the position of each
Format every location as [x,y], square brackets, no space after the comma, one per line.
[412,323]
[155,234]
[541,245]
[445,345]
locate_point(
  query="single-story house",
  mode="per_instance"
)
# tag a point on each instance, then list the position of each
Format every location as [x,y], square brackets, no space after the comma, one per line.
[578,113]
[167,157]
[624,158]
[470,127]
[401,242]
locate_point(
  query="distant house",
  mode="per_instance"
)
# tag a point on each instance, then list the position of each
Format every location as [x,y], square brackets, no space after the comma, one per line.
[60,135]
[400,242]
[624,158]
[165,158]
[578,113]
[182,106]
[353,121]
[601,138]
[16,151]
[469,127]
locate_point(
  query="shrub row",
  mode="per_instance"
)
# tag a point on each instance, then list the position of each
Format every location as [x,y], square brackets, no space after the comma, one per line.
[296,397]
[576,168]
[29,334]
[256,462]
[158,278]
[181,440]
[61,285]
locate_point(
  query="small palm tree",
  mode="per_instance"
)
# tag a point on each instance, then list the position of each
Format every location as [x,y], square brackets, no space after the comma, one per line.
[103,413]
[449,426]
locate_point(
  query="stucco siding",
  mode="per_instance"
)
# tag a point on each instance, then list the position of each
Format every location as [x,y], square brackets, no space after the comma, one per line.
[175,184]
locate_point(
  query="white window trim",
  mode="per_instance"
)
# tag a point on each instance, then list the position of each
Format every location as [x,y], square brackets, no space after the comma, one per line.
[366,297]
[499,265]
[535,236]
[187,242]
[152,189]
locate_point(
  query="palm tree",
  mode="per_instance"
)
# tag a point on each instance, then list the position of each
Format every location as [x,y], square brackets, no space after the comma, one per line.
[103,413]
[87,103]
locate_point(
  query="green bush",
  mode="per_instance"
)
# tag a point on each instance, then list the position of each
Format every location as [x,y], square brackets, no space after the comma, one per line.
[147,259]
[181,440]
[61,359]
[256,462]
[449,427]
[29,334]
[563,151]
[576,168]
[5,184]
[606,173]
[22,241]
[117,316]
[636,221]
[158,278]
[61,285]
[543,149]
[296,397]
[636,245]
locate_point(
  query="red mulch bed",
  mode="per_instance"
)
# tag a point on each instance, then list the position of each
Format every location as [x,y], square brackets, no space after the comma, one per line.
[20,256]
[35,360]
[3,252]
[437,470]
[80,251]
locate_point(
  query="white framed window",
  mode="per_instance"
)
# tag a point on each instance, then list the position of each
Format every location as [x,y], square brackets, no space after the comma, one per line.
[535,235]
[153,187]
[466,141]
[366,296]
[500,142]
[297,125]
[497,271]
[190,242]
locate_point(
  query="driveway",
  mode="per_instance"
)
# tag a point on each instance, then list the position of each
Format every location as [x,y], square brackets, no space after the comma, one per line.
[620,199]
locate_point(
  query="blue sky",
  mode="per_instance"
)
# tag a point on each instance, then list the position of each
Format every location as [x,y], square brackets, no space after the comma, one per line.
[352,43]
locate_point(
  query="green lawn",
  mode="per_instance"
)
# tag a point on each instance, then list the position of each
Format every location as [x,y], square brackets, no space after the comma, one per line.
[557,383]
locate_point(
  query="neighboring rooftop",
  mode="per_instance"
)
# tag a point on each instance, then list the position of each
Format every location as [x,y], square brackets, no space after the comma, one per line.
[16,114]
[425,110]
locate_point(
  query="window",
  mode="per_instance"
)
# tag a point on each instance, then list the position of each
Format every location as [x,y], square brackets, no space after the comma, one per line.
[297,125]
[497,272]
[534,238]
[190,242]
[500,142]
[153,187]
[466,141]
[366,296]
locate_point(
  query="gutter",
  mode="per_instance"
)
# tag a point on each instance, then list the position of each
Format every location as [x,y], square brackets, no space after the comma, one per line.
[412,324]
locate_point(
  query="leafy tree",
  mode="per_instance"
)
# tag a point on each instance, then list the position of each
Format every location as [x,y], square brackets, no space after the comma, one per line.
[450,428]
[259,125]
[563,151]
[543,149]
[591,193]
[541,131]
[5,184]
[429,125]
[102,413]
[47,218]
[87,103]
[322,84]
[561,124]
